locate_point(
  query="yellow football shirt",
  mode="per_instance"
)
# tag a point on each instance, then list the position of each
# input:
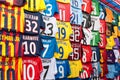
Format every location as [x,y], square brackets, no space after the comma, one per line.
[110,42]
[65,49]
[35,5]
[11,68]
[75,67]
[64,1]
[64,30]
[115,34]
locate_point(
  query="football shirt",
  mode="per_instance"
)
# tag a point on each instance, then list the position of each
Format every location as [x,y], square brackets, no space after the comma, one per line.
[51,8]
[50,26]
[102,26]
[102,12]
[33,22]
[110,42]
[32,68]
[96,38]
[103,41]
[86,20]
[88,36]
[11,18]
[87,53]
[95,54]
[115,34]
[35,5]
[75,67]
[109,17]
[103,58]
[49,69]
[65,49]
[77,34]
[96,8]
[64,12]
[13,2]
[95,23]
[50,47]
[96,70]
[111,71]
[87,6]
[64,30]
[10,44]
[31,45]
[109,29]
[87,71]
[63,68]
[76,12]
[10,68]
[110,57]
[77,52]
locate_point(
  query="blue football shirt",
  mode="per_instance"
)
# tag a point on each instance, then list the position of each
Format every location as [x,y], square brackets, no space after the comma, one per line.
[50,46]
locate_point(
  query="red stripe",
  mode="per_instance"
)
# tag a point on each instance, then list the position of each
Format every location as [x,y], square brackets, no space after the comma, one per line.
[10,67]
[18,19]
[6,13]
[16,46]
[11,34]
[0,17]
[3,66]
[13,8]
[16,68]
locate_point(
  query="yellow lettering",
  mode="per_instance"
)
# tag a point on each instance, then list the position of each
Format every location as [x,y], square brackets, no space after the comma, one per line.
[17,39]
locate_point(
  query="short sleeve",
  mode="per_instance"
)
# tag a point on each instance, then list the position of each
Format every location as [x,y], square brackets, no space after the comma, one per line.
[56,47]
[55,67]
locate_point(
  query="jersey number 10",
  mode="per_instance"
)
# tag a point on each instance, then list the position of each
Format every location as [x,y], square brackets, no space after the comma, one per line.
[26,72]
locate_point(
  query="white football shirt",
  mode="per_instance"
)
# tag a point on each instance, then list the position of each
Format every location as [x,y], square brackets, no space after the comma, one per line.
[50,26]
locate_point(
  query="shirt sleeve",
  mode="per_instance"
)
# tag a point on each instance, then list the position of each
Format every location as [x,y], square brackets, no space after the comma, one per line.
[55,67]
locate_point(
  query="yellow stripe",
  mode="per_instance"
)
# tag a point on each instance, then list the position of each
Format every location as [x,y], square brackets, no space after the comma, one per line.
[3,48]
[15,15]
[10,1]
[19,68]
[6,68]
[2,20]
[22,21]
[0,61]
[9,19]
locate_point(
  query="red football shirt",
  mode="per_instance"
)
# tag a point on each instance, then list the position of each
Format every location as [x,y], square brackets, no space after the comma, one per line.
[87,70]
[87,53]
[87,6]
[76,55]
[103,41]
[32,67]
[102,26]
[64,12]
[77,34]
